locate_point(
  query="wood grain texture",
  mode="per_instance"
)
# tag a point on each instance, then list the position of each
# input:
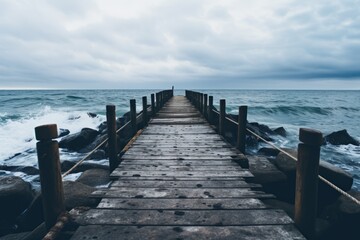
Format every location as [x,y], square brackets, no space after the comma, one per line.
[181,180]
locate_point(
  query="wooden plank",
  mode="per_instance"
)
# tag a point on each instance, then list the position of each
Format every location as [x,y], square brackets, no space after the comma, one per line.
[178,168]
[177,157]
[167,162]
[108,232]
[184,178]
[182,184]
[118,172]
[185,217]
[181,204]
[124,192]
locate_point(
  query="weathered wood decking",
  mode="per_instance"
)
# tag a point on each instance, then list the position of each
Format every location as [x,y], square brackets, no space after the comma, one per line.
[181,180]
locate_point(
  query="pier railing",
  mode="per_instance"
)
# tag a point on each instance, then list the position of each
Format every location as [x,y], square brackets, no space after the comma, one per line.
[52,191]
[307,170]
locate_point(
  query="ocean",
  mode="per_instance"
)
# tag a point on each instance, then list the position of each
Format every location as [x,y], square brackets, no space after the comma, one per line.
[22,110]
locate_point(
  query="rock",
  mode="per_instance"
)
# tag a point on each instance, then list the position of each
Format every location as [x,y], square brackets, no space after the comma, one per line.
[277,204]
[280,131]
[94,177]
[78,194]
[285,164]
[92,115]
[272,180]
[78,140]
[63,132]
[341,138]
[25,169]
[98,155]
[32,216]
[332,173]
[66,165]
[15,197]
[99,139]
[261,130]
[268,151]
[348,208]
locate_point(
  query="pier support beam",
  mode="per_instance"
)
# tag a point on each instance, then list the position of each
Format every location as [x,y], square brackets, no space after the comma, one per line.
[211,106]
[50,173]
[222,117]
[133,116]
[205,107]
[307,170]
[111,131]
[153,104]
[241,134]
[145,115]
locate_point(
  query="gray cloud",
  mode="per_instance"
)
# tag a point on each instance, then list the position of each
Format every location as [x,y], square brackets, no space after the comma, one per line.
[107,44]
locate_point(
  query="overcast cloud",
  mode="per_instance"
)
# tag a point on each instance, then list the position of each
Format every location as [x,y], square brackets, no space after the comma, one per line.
[187,43]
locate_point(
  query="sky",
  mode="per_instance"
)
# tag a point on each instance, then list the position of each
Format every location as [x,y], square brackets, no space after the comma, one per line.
[86,44]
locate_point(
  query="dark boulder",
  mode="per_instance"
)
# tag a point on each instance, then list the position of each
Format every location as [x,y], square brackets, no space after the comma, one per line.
[63,132]
[261,130]
[98,155]
[78,194]
[66,165]
[268,151]
[341,137]
[94,177]
[78,140]
[15,197]
[96,142]
[32,216]
[331,172]
[25,169]
[280,131]
[272,179]
[92,115]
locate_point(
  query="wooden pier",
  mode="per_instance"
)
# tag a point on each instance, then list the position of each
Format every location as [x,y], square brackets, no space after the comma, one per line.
[181,180]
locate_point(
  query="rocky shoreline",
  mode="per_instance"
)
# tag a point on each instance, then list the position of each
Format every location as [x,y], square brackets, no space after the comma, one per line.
[271,168]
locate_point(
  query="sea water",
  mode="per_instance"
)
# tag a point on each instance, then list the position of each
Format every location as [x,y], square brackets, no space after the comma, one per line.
[22,110]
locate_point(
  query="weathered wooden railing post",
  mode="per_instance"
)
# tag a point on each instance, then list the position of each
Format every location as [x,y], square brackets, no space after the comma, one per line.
[157,102]
[111,131]
[201,107]
[241,134]
[153,104]
[307,170]
[205,108]
[133,116]
[222,117]
[211,106]
[145,115]
[50,173]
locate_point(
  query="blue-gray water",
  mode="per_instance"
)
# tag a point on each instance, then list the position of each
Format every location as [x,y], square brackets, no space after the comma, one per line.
[327,111]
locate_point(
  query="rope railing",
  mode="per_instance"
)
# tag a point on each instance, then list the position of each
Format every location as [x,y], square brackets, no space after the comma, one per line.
[49,161]
[320,177]
[329,183]
[308,158]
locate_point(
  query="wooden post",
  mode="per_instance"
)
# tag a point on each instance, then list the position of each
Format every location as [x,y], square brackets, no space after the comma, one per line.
[145,115]
[50,173]
[152,104]
[211,106]
[307,170]
[133,116]
[111,131]
[157,102]
[241,134]
[162,98]
[222,117]
[172,91]
[201,107]
[205,110]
